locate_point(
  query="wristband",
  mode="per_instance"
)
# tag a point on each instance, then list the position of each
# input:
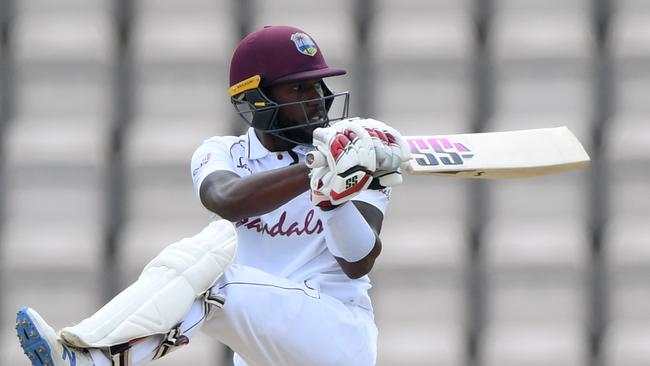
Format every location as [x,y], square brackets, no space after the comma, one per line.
[347,234]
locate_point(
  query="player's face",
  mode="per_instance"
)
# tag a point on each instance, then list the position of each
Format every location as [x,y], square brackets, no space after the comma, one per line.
[301,113]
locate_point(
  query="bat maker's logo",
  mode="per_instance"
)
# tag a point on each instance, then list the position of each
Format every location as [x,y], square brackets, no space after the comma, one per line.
[438,150]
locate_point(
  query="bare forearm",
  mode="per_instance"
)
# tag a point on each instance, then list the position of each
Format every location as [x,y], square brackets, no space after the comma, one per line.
[254,195]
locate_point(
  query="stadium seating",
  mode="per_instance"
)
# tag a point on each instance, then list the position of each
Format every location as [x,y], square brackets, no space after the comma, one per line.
[535,239]
[535,233]
[627,231]
[56,149]
[421,62]
[181,53]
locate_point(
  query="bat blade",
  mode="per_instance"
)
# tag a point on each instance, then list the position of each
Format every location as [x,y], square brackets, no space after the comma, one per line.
[497,155]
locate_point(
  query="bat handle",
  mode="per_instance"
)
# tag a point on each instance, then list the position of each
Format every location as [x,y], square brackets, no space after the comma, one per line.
[315,159]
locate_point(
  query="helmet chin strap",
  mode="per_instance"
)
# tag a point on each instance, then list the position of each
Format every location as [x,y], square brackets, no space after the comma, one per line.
[283,135]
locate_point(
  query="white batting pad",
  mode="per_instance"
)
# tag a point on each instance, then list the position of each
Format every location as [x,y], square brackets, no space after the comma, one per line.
[163,293]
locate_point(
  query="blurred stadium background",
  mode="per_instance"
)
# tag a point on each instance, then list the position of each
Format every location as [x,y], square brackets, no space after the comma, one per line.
[103,102]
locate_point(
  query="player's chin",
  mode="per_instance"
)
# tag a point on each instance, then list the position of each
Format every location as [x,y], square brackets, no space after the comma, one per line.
[302,136]
[308,131]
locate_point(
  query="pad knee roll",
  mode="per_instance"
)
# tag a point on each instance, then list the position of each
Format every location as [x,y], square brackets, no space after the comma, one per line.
[163,293]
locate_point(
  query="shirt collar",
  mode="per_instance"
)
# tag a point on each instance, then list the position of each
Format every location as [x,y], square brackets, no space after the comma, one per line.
[257,151]
[255,148]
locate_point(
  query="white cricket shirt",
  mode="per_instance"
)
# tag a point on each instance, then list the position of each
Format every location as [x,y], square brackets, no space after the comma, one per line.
[288,242]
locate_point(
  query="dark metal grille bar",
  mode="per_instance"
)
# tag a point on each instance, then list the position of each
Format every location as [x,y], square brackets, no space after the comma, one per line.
[603,94]
[123,97]
[482,94]
[243,15]
[6,112]
[364,11]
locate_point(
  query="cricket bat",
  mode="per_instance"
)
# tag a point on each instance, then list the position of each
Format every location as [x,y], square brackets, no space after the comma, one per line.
[492,155]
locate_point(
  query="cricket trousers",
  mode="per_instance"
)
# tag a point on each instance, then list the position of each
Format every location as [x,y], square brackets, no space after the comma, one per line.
[270,321]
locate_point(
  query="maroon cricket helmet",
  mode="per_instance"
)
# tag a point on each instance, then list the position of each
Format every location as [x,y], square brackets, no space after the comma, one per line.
[276,55]
[279,54]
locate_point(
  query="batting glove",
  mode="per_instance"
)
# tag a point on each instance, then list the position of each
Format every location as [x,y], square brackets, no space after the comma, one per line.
[391,151]
[350,161]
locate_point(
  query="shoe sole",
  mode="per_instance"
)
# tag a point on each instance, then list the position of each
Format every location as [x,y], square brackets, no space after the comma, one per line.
[31,341]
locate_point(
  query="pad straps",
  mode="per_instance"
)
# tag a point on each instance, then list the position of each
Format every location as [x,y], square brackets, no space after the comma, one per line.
[173,339]
[121,354]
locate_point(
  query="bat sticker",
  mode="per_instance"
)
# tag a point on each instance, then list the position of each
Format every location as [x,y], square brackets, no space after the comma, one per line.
[438,150]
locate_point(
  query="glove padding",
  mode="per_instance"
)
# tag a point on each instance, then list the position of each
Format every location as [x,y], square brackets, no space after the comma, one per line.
[351,160]
[391,151]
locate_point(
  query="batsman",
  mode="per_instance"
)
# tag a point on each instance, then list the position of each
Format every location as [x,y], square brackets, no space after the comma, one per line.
[280,274]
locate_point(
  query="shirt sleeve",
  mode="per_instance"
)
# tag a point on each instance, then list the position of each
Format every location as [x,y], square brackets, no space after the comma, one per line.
[212,155]
[377,198]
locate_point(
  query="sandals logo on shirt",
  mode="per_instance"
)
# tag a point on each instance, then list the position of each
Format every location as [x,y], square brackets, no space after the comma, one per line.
[307,227]
[304,44]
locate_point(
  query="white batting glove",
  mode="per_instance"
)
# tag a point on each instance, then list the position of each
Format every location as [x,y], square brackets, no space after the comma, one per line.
[318,190]
[391,150]
[350,155]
